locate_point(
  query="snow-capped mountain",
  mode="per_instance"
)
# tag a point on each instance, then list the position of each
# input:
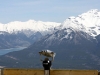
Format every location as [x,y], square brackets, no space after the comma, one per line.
[31,31]
[31,25]
[88,22]
[76,42]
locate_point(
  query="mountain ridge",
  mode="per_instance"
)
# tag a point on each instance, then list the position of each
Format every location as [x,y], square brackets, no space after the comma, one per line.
[85,21]
[88,22]
[31,30]
[35,26]
[76,46]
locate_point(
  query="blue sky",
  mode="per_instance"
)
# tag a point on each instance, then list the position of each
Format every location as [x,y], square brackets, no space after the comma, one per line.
[44,10]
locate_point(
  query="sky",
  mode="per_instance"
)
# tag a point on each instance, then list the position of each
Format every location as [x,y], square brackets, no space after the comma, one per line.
[44,10]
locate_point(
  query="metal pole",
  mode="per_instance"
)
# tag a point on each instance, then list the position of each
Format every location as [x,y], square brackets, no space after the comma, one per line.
[46,72]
